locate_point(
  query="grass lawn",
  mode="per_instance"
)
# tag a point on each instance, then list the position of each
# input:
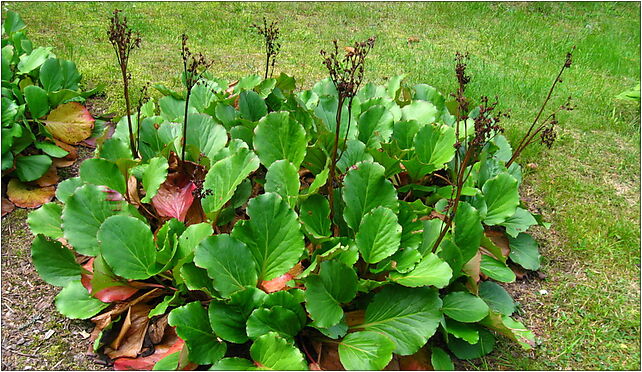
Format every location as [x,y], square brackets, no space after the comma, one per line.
[588,185]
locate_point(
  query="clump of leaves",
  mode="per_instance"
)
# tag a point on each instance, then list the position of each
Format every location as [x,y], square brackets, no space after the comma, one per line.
[270,35]
[229,256]
[42,116]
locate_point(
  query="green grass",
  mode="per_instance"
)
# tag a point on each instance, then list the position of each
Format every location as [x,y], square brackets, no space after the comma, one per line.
[589,182]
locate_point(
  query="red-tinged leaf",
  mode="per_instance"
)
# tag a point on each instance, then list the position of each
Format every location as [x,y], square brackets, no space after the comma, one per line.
[169,345]
[50,178]
[280,283]
[500,240]
[355,317]
[130,340]
[70,122]
[7,206]
[473,267]
[27,196]
[119,292]
[174,197]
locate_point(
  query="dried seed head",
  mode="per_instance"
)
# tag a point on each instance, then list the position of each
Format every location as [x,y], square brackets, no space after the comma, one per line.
[347,71]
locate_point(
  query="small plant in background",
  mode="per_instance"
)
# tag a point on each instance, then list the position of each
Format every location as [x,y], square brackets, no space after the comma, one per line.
[42,117]
[346,72]
[124,40]
[270,35]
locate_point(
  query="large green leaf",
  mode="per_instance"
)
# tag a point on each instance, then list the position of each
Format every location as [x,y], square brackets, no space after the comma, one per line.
[375,126]
[228,262]
[524,251]
[510,328]
[408,316]
[315,216]
[37,101]
[464,307]
[224,176]
[32,167]
[193,326]
[379,235]
[468,231]
[365,188]
[82,216]
[33,60]
[279,136]
[67,188]
[283,178]
[228,322]
[271,351]
[127,245]
[434,145]
[466,331]
[496,269]
[76,303]
[502,198]
[251,105]
[496,297]
[46,220]
[101,172]
[56,264]
[335,284]
[275,319]
[519,222]
[13,23]
[192,236]
[365,351]
[273,235]
[153,176]
[233,364]
[203,133]
[430,271]
[421,111]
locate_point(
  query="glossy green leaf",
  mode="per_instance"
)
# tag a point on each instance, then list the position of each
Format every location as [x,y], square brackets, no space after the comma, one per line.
[365,188]
[127,245]
[496,269]
[466,331]
[205,134]
[421,111]
[192,236]
[519,222]
[228,262]
[375,126]
[430,271]
[279,136]
[502,198]
[55,264]
[51,149]
[468,231]
[464,307]
[365,351]
[154,175]
[408,316]
[524,251]
[37,101]
[33,60]
[283,178]
[271,351]
[510,328]
[430,234]
[496,297]
[379,235]
[82,216]
[76,303]
[233,364]
[168,363]
[290,300]
[434,145]
[440,360]
[228,322]
[67,188]
[275,319]
[46,220]
[195,278]
[12,23]
[224,177]
[101,172]
[335,284]
[315,216]
[251,105]
[32,167]
[192,325]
